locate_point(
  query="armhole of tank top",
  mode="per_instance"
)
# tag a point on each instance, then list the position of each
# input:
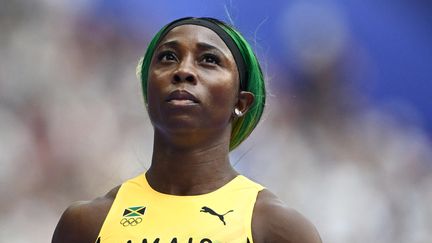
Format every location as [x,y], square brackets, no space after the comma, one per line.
[109,212]
[250,216]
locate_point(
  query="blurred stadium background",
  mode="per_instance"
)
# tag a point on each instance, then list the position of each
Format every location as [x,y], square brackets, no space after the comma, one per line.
[346,137]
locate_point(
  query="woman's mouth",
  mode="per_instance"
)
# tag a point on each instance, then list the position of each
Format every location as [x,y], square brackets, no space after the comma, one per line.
[181,97]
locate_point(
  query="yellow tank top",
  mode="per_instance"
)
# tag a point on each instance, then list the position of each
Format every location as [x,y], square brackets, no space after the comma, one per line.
[139,214]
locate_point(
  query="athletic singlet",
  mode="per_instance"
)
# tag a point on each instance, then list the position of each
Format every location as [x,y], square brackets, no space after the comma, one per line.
[139,214]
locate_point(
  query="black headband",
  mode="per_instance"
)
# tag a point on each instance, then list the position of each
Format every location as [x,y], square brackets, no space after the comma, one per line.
[226,38]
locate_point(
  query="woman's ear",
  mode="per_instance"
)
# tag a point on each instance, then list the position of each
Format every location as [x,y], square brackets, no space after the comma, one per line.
[244,102]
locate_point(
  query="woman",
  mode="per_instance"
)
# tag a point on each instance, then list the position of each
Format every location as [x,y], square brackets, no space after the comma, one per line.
[204,92]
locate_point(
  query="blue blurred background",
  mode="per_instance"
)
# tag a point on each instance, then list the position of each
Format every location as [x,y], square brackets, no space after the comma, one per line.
[345,139]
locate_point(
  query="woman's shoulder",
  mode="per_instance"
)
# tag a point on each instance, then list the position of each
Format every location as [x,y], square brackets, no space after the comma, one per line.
[273,221]
[81,222]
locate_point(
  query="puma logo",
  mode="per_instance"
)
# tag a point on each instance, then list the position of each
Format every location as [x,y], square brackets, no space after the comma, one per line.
[212,212]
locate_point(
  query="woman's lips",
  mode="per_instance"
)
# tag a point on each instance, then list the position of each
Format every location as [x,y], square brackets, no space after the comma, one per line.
[181,97]
[181,102]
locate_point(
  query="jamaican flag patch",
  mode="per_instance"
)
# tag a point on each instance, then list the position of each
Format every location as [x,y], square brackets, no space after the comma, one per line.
[134,211]
[132,216]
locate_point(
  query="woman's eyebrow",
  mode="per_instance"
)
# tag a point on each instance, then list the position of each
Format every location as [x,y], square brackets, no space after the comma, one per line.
[172,44]
[207,47]
[200,45]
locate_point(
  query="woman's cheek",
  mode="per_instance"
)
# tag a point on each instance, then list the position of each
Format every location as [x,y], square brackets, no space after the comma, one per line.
[223,99]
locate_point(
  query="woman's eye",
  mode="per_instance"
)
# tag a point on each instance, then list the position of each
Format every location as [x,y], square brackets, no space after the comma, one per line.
[211,59]
[167,57]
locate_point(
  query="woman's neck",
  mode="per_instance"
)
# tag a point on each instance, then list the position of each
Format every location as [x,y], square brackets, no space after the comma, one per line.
[190,170]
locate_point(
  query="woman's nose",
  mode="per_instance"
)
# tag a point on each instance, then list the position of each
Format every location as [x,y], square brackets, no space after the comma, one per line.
[185,72]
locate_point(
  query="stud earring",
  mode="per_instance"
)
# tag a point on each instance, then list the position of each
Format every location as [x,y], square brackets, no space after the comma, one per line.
[238,112]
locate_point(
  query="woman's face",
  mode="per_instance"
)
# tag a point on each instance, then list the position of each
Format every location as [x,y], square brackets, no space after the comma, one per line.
[193,81]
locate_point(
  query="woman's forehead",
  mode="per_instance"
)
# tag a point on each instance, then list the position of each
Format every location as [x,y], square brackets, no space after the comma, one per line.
[195,34]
